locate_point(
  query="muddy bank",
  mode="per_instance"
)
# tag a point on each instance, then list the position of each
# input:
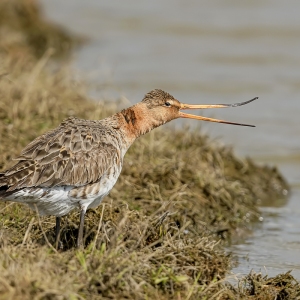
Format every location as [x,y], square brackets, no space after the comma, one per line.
[158,235]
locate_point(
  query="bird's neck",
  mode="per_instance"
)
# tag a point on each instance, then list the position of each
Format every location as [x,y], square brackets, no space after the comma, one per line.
[137,120]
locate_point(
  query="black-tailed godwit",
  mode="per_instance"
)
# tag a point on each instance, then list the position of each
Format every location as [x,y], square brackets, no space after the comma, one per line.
[76,164]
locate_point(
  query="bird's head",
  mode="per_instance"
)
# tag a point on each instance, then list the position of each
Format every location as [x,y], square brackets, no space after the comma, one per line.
[161,107]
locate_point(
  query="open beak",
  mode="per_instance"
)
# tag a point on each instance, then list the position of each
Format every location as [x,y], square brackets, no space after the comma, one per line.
[204,106]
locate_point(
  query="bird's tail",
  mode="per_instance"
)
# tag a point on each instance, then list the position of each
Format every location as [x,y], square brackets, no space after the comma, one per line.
[3,185]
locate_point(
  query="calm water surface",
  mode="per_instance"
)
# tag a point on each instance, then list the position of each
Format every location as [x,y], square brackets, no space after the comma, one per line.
[210,52]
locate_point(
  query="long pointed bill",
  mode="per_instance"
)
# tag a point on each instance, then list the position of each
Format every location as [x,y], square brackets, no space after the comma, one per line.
[188,116]
[204,106]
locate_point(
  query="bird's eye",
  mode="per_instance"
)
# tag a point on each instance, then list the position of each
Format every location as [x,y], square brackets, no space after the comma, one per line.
[167,104]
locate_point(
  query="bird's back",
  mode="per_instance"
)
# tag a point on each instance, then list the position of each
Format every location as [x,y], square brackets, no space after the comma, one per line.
[75,156]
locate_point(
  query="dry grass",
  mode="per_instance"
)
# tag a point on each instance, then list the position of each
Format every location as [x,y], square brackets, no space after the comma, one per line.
[24,32]
[258,287]
[158,235]
[128,260]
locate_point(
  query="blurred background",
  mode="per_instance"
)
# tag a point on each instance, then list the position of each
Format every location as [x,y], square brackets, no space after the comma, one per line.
[222,51]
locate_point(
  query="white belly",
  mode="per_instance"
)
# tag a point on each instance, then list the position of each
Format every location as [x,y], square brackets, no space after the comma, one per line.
[54,201]
[59,201]
[106,184]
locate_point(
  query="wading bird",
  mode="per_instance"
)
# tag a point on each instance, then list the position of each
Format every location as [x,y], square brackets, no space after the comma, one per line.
[76,164]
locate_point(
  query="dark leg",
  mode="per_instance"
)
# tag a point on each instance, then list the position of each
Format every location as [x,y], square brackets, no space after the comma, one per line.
[80,233]
[57,230]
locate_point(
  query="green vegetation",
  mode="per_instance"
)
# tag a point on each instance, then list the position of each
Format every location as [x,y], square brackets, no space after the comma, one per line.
[158,235]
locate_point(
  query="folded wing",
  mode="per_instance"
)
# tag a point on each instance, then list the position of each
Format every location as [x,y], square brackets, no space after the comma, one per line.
[68,155]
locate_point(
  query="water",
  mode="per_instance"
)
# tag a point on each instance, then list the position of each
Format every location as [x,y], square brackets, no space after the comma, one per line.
[210,52]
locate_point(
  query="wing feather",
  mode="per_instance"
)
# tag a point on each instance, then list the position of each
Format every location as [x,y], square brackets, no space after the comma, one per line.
[73,156]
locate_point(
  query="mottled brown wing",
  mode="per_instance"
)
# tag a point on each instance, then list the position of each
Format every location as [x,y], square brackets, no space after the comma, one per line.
[68,155]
